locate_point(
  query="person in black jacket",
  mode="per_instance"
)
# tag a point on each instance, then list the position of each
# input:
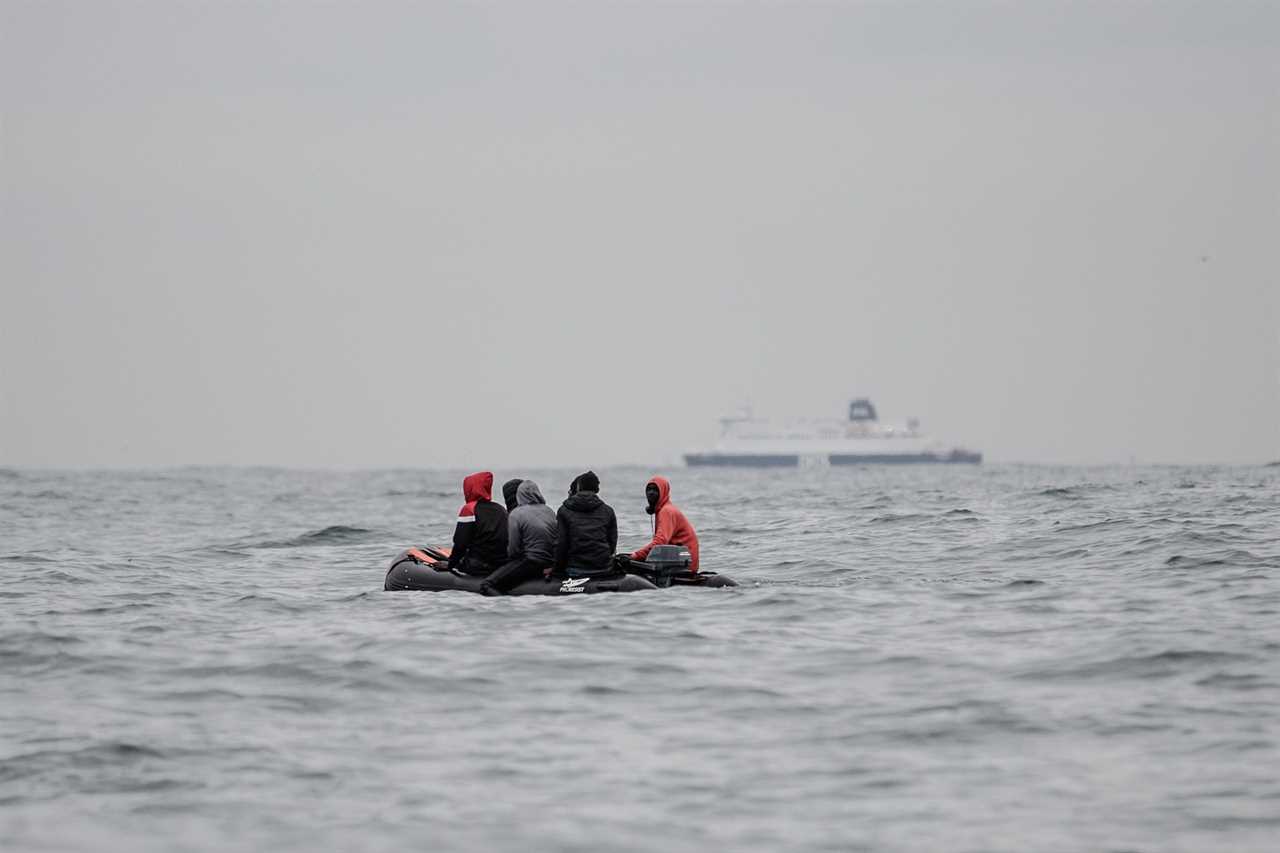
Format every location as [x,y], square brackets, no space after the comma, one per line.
[480,537]
[587,532]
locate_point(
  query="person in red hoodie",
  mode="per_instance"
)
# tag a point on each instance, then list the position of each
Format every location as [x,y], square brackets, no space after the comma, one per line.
[670,526]
[480,537]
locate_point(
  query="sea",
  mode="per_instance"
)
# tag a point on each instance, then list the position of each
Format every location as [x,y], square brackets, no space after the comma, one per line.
[953,658]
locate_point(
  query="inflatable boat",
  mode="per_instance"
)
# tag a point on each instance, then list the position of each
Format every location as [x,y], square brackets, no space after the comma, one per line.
[667,566]
[427,569]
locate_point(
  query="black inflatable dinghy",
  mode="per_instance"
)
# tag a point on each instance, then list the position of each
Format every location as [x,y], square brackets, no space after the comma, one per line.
[424,569]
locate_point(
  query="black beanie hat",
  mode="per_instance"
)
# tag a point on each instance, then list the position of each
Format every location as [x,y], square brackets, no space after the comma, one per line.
[588,482]
[509,492]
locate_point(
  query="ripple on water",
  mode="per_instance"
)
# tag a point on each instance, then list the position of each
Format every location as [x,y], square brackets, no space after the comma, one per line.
[1164,664]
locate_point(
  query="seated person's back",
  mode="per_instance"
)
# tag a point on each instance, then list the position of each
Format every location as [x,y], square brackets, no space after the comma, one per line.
[532,529]
[587,531]
[480,537]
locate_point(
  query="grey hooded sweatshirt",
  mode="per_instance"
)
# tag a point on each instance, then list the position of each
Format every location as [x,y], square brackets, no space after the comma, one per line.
[531,527]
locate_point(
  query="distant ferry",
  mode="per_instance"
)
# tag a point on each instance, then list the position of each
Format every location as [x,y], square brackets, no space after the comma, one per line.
[859,440]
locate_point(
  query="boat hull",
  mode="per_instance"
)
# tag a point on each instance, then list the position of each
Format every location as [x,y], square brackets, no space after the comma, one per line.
[409,574]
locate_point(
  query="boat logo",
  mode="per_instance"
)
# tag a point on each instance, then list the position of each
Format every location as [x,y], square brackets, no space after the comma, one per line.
[574,585]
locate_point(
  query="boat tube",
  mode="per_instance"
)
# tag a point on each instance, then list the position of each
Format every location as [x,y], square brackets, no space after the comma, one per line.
[667,566]
[427,569]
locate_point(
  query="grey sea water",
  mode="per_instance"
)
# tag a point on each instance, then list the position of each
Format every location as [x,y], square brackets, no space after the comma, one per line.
[985,659]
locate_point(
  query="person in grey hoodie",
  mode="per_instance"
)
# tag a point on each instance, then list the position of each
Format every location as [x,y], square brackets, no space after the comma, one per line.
[531,541]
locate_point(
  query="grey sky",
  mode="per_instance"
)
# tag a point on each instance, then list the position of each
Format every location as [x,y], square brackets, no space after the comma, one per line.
[419,234]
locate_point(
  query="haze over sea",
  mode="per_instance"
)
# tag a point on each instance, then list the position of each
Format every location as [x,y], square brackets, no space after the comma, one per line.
[994,658]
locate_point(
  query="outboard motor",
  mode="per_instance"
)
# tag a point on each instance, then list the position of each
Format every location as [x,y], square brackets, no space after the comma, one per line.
[664,561]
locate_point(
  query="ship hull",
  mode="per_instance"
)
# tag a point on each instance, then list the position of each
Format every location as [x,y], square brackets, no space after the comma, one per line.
[742,460]
[794,460]
[955,457]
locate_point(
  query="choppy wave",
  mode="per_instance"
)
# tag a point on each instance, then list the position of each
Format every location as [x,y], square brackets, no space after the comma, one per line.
[1234,558]
[335,534]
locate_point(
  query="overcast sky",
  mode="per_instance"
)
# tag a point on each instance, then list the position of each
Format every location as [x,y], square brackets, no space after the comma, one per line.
[490,235]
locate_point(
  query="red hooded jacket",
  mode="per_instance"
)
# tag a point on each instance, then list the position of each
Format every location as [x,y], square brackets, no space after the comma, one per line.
[670,527]
[481,531]
[475,487]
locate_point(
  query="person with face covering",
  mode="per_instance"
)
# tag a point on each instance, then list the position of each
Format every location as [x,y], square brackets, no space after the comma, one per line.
[670,526]
[587,530]
[480,537]
[531,541]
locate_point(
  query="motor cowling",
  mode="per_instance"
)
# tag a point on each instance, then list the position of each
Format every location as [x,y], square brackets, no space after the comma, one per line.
[666,560]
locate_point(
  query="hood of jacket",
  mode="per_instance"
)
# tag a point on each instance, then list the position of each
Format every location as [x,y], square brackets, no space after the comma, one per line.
[478,486]
[528,493]
[584,502]
[509,490]
[664,491]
